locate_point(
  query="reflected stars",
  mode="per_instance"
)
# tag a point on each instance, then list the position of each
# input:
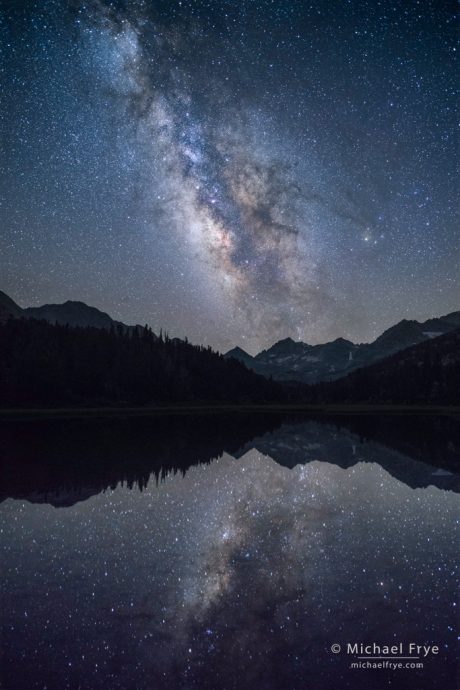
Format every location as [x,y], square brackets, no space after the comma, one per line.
[242,561]
[250,564]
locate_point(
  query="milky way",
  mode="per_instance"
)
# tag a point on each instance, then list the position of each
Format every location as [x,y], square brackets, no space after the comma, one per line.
[236,172]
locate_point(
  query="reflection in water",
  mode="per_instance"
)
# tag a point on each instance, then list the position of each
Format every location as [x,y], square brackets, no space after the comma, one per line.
[240,574]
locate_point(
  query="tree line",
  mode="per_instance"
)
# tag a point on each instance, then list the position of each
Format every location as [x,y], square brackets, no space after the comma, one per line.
[44,364]
[54,365]
[424,374]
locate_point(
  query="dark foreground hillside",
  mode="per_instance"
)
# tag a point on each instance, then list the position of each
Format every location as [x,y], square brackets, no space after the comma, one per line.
[427,373]
[54,365]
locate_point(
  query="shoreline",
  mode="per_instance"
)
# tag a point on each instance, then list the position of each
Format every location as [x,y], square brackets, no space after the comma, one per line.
[209,409]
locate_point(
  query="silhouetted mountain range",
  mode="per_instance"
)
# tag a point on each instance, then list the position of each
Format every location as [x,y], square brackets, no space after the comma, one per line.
[427,373]
[73,354]
[288,360]
[72,313]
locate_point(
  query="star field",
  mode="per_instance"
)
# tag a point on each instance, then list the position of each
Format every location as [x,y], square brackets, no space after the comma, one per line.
[234,172]
[241,573]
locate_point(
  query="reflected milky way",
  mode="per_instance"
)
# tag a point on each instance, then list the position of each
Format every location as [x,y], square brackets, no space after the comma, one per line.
[241,573]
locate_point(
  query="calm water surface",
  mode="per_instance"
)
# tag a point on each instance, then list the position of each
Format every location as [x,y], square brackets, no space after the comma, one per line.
[144,556]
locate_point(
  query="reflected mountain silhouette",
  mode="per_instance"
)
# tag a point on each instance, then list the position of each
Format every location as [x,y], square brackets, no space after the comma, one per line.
[62,462]
[418,452]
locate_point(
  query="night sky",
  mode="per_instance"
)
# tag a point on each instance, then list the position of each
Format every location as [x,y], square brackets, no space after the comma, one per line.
[234,171]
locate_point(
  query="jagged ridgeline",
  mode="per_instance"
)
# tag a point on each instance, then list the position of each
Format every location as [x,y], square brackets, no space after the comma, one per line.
[74,354]
[425,374]
[289,360]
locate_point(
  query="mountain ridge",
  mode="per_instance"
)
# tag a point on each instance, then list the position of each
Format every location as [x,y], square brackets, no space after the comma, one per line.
[289,360]
[74,313]
[286,360]
[425,373]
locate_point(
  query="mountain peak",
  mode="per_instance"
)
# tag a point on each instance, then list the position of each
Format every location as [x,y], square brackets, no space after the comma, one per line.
[238,353]
[287,345]
[8,307]
[342,341]
[78,303]
[73,313]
